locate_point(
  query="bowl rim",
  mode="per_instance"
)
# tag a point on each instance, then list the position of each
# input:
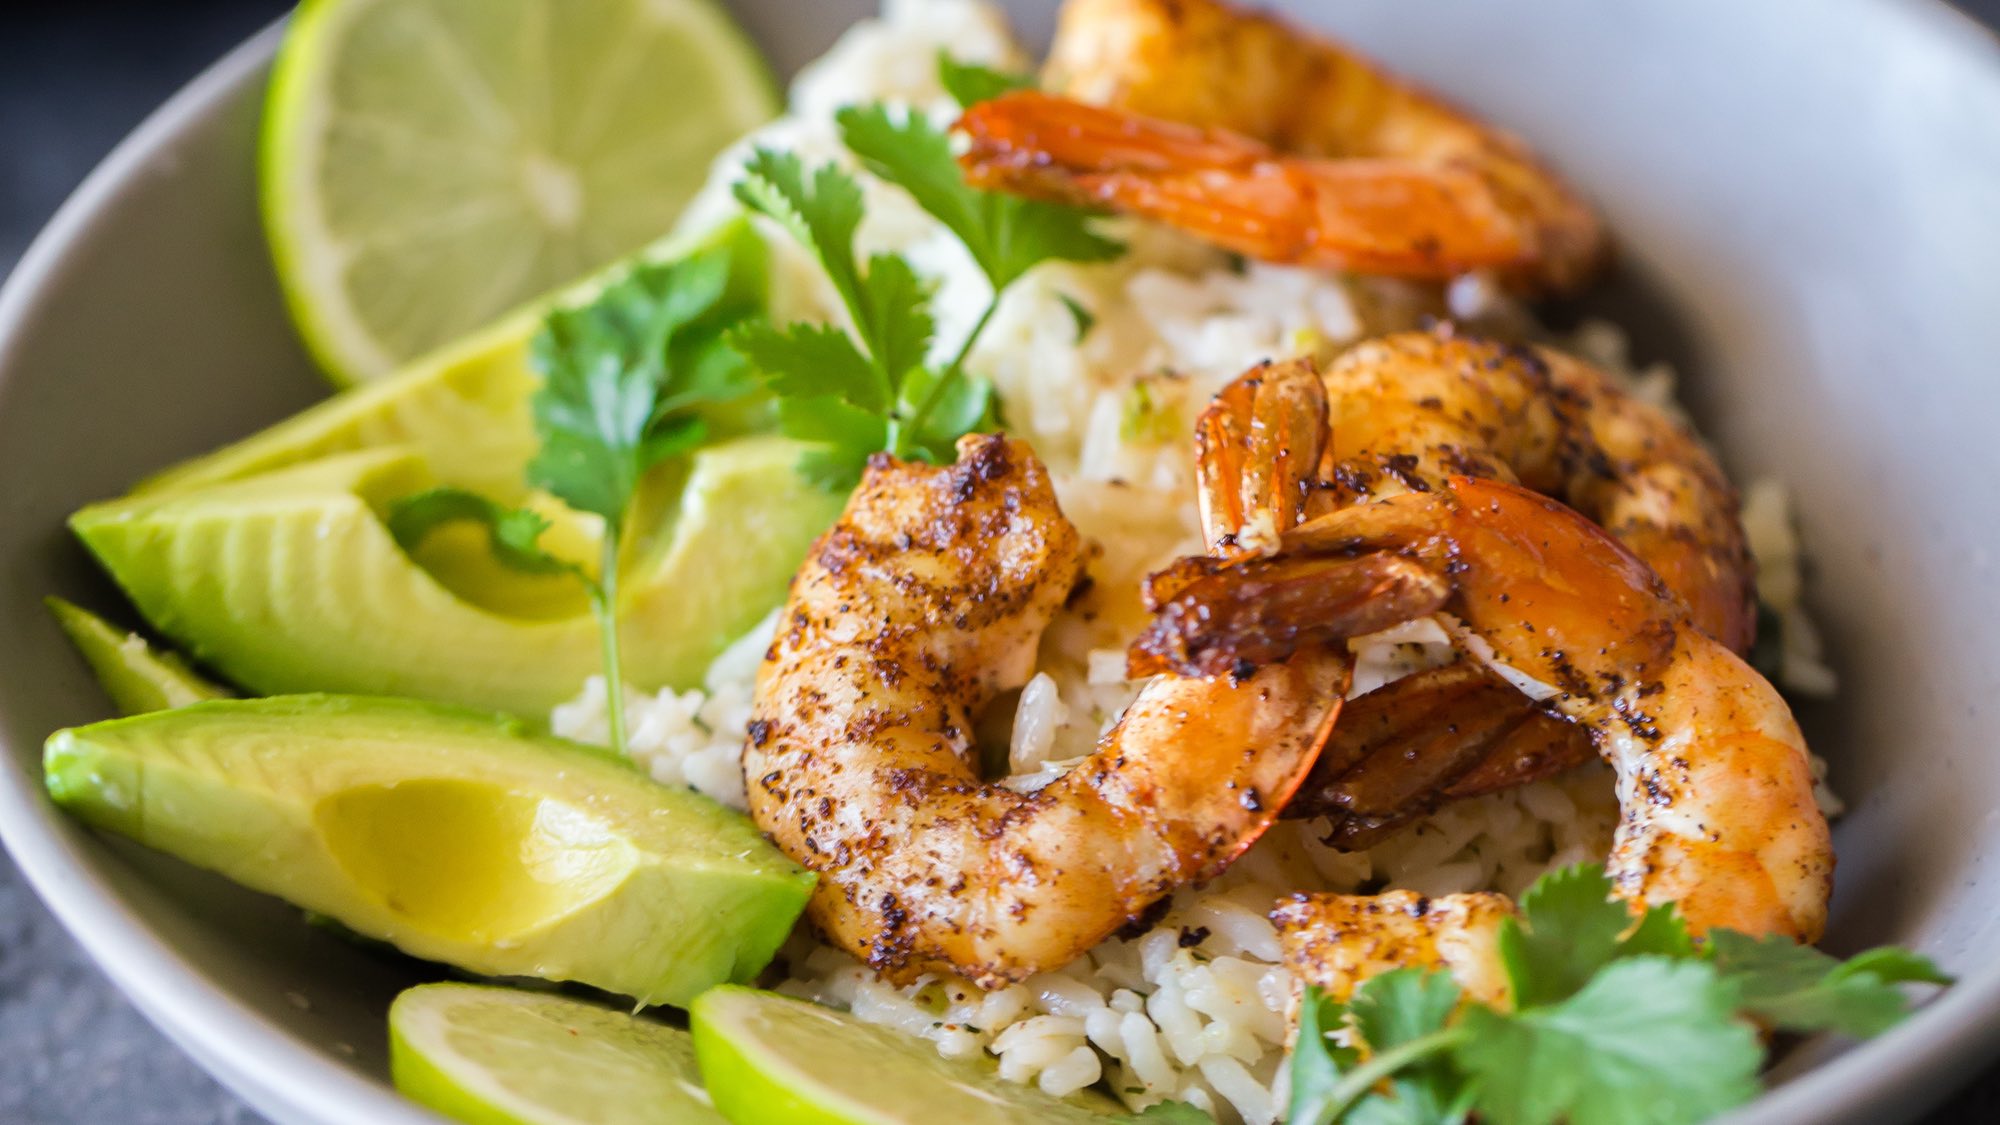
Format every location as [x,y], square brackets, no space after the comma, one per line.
[287,1078]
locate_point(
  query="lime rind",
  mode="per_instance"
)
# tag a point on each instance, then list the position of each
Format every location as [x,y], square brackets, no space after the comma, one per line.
[286,113]
[375,278]
[769,1059]
[496,1056]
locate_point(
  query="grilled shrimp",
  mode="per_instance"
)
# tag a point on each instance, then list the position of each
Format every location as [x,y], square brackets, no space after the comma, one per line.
[1410,409]
[1278,144]
[923,603]
[1338,941]
[1406,412]
[1713,778]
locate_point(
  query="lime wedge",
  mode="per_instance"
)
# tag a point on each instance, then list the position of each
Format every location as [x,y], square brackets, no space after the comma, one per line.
[771,1060]
[495,1056]
[428,165]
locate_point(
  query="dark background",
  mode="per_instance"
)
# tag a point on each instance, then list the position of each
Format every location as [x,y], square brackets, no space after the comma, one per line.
[75,77]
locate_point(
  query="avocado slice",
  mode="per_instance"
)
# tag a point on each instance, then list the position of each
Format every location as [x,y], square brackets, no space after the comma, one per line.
[465,406]
[456,836]
[289,581]
[138,677]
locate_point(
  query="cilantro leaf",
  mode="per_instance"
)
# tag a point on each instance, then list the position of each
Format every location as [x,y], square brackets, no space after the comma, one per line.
[1402,1016]
[1401,1108]
[898,328]
[822,211]
[905,149]
[886,301]
[1379,1109]
[1004,234]
[707,371]
[970,83]
[612,403]
[1318,1062]
[1027,232]
[1660,932]
[1567,930]
[514,533]
[640,373]
[803,360]
[1569,927]
[1647,1039]
[1798,988]
[1896,965]
[844,434]
[884,369]
[1174,1113]
[627,380]
[1396,1009]
[1401,1005]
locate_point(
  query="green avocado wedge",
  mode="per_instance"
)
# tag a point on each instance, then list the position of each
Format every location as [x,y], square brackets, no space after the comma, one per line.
[454,836]
[497,1056]
[291,582]
[464,406]
[138,677]
[769,1059]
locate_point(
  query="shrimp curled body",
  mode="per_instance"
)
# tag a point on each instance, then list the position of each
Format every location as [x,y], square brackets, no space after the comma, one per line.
[1714,783]
[923,603]
[1278,144]
[1405,413]
[1410,409]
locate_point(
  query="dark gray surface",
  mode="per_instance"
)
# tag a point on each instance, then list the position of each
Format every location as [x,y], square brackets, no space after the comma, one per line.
[73,79]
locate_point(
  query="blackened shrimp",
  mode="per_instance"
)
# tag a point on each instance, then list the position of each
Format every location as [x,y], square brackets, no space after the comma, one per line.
[922,604]
[1410,409]
[1405,412]
[1714,785]
[1279,144]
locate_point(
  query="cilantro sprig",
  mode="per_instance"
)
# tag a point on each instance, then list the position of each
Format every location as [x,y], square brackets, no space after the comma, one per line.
[1613,1020]
[634,377]
[628,381]
[878,385]
[969,82]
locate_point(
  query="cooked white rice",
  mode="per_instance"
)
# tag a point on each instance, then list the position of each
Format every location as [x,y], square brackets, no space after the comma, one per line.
[1195,1008]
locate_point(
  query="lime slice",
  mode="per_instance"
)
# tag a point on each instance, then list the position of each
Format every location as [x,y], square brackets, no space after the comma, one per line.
[771,1060]
[495,1056]
[428,165]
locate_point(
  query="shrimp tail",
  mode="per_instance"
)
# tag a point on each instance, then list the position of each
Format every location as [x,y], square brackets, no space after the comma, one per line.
[1281,144]
[1372,216]
[1441,735]
[1261,611]
[1258,447]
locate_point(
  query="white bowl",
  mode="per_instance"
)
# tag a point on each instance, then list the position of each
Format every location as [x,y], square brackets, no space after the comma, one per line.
[1808,192]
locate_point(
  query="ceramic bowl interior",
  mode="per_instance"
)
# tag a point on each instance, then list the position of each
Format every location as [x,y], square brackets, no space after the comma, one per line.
[1804,192]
